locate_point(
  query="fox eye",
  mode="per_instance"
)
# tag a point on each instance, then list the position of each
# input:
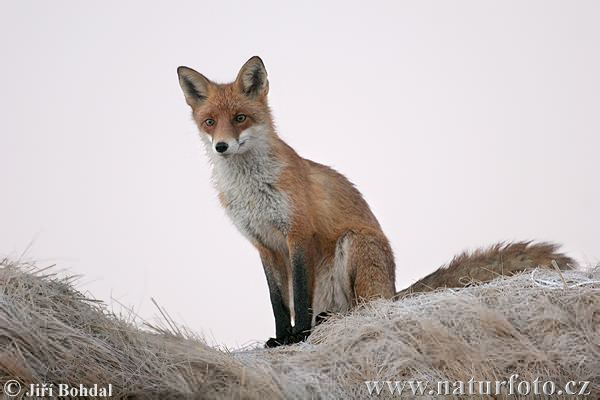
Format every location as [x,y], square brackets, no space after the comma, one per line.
[240,118]
[209,122]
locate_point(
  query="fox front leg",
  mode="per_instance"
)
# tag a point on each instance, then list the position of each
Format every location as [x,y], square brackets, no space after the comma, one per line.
[302,290]
[281,312]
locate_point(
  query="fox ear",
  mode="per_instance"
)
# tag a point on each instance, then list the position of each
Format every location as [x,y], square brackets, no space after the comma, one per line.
[252,78]
[194,85]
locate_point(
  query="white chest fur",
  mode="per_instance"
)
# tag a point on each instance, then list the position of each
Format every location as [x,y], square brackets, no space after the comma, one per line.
[256,207]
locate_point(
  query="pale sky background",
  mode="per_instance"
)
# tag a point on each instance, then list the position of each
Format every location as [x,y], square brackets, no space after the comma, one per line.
[462,122]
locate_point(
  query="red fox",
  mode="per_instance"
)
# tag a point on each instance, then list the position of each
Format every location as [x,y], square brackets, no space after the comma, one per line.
[321,247]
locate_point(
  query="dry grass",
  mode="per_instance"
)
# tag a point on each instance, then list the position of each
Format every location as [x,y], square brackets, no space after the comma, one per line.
[537,324]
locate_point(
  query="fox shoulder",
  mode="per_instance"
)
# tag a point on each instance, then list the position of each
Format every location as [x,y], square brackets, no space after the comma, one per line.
[483,265]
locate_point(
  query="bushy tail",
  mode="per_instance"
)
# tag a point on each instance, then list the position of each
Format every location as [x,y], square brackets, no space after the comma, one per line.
[483,265]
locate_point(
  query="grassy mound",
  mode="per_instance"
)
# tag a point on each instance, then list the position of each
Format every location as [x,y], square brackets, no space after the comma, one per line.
[539,324]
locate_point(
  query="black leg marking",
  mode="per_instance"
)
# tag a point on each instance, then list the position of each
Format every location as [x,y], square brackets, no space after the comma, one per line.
[302,301]
[283,324]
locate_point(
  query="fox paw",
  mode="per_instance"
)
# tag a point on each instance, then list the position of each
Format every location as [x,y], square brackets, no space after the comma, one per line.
[289,339]
[274,342]
[297,337]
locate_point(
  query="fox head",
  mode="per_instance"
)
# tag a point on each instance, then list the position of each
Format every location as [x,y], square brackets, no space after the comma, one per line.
[234,117]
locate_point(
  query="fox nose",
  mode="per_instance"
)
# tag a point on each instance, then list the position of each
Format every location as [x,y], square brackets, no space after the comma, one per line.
[221,147]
